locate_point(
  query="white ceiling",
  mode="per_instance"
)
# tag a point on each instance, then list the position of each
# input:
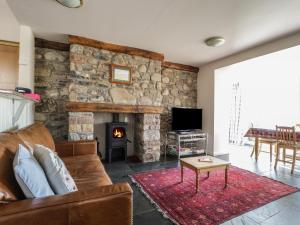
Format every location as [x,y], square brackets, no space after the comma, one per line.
[176,28]
[9,26]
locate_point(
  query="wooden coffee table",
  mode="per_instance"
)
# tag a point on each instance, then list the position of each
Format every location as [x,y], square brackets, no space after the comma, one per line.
[199,167]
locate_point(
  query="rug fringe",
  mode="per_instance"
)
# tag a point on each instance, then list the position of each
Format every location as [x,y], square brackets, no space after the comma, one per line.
[159,209]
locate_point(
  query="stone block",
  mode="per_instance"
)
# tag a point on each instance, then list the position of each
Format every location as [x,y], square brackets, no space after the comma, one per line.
[145,101]
[122,96]
[74,136]
[87,128]
[156,77]
[42,71]
[166,80]
[72,128]
[142,68]
[54,56]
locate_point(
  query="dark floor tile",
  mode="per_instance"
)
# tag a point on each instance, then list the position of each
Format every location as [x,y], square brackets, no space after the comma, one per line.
[118,169]
[140,203]
[151,218]
[121,179]
[141,167]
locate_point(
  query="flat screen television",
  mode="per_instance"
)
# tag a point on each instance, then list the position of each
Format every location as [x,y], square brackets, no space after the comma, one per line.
[186,119]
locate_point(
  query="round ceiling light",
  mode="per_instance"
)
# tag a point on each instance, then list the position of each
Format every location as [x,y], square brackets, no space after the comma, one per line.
[71,3]
[214,41]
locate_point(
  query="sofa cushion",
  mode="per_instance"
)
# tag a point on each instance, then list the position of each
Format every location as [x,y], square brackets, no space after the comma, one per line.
[30,175]
[87,171]
[58,176]
[9,144]
[36,134]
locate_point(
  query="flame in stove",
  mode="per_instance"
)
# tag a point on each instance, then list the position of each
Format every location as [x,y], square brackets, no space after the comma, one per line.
[118,133]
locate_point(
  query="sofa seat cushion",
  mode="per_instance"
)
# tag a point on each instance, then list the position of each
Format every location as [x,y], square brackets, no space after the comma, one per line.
[87,171]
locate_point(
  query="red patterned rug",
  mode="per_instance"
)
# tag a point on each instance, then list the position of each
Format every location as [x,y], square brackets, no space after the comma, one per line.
[213,204]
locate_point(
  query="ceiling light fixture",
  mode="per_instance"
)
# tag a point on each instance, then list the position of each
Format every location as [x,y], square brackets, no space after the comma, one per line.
[214,41]
[71,3]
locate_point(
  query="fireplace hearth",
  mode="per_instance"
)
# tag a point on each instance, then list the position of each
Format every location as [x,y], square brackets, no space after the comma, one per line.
[116,140]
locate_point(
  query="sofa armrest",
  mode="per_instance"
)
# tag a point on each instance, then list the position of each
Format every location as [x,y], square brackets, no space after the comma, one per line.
[74,148]
[106,205]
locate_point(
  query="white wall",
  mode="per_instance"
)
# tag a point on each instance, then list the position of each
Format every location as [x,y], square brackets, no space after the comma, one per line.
[26,57]
[206,80]
[10,28]
[12,31]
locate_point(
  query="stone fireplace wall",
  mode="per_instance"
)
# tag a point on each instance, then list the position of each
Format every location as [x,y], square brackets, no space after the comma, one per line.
[179,88]
[52,68]
[82,74]
[90,74]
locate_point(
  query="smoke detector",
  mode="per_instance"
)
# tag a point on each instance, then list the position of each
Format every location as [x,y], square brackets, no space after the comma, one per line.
[214,41]
[71,3]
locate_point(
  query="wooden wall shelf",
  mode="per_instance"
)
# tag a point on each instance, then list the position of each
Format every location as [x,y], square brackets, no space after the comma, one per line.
[112,108]
[15,96]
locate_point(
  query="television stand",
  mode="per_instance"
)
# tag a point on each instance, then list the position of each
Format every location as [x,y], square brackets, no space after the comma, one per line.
[186,143]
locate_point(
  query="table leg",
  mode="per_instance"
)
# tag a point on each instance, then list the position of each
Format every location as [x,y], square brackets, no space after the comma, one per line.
[181,172]
[226,176]
[256,148]
[197,181]
[207,174]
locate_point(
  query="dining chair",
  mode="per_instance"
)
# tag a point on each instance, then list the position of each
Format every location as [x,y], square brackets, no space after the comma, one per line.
[286,139]
[262,141]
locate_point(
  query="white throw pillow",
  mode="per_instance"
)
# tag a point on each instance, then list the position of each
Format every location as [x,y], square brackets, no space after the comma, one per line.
[56,171]
[30,175]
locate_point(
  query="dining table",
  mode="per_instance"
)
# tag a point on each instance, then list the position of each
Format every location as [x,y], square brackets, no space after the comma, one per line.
[262,133]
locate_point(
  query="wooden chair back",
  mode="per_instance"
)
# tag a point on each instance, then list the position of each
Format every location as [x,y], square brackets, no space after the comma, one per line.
[286,136]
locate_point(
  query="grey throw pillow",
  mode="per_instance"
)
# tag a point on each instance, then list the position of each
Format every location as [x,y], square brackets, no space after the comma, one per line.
[30,175]
[56,171]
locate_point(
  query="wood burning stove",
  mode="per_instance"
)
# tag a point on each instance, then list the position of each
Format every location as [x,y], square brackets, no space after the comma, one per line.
[116,140]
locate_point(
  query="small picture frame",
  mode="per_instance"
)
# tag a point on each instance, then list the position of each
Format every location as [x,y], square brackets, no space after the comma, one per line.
[120,74]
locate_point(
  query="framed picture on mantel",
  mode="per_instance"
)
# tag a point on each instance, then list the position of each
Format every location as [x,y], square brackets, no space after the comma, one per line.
[120,74]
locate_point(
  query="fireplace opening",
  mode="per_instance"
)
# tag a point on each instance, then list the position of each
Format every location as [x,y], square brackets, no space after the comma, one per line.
[118,132]
[116,139]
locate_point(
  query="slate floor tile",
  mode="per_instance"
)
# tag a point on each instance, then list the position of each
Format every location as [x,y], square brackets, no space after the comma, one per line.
[288,216]
[241,220]
[151,218]
[265,212]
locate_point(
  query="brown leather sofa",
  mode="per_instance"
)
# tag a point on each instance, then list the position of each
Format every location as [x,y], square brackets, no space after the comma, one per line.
[97,200]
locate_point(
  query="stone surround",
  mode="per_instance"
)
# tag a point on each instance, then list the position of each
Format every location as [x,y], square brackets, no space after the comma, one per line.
[147,137]
[82,75]
[81,126]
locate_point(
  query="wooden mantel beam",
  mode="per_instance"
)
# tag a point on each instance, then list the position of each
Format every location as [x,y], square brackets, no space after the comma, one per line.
[112,108]
[115,48]
[178,66]
[42,43]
